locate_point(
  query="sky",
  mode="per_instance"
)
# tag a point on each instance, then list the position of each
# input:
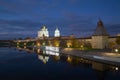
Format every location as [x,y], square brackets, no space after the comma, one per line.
[24,18]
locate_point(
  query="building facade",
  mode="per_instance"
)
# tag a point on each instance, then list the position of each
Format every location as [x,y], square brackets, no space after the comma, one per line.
[57,33]
[100,39]
[43,32]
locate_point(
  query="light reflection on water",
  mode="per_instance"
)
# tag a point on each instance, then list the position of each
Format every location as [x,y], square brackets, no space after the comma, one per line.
[36,64]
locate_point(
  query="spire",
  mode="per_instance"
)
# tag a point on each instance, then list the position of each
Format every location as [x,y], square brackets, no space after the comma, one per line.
[100,23]
[56,28]
[100,30]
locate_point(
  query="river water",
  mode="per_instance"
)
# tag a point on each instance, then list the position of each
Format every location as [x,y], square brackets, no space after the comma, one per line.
[29,64]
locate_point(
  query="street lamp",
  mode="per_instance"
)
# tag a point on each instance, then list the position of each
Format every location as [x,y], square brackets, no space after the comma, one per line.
[116,50]
[38,44]
[116,68]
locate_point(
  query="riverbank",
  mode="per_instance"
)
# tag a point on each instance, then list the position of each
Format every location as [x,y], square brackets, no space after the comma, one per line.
[95,55]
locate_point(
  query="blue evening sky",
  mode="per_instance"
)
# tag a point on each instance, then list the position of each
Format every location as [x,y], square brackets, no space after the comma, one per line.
[23,18]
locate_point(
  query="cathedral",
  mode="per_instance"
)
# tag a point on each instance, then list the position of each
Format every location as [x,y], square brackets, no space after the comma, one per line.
[45,33]
[100,39]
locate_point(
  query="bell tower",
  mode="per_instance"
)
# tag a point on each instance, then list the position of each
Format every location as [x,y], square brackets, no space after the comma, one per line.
[57,33]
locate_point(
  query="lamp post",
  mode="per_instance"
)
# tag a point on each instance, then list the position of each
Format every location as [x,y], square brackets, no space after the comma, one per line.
[116,50]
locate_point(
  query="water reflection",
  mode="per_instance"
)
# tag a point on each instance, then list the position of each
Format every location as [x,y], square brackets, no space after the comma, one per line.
[46,54]
[28,50]
[101,75]
[44,59]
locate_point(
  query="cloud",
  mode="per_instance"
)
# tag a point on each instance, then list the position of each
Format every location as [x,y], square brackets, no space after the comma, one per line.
[18,24]
[17,34]
[16,28]
[25,17]
[113,29]
[8,7]
[3,33]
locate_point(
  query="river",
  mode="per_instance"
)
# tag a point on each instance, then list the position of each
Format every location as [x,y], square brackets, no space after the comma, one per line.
[30,64]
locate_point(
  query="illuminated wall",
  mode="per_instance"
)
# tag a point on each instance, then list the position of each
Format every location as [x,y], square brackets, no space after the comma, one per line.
[43,32]
[57,33]
[99,42]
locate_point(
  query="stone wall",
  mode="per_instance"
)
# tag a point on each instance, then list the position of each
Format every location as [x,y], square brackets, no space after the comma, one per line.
[99,42]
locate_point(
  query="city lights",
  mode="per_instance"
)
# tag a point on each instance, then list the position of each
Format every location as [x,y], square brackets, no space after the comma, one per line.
[116,68]
[38,44]
[116,50]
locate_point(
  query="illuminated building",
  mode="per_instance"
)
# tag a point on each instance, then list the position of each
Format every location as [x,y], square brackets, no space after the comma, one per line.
[44,59]
[57,33]
[118,34]
[100,37]
[43,32]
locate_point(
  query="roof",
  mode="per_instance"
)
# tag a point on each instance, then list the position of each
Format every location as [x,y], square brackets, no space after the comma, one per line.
[84,38]
[43,27]
[100,30]
[114,36]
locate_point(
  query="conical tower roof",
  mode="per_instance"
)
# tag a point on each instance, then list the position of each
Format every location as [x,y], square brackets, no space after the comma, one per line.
[100,30]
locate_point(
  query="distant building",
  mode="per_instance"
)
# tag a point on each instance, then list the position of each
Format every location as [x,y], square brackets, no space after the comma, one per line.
[57,33]
[118,34]
[43,32]
[100,37]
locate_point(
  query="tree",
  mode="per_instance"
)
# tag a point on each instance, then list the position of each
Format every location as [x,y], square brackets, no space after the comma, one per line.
[56,42]
[87,45]
[111,44]
[63,43]
[69,43]
[75,43]
[118,40]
